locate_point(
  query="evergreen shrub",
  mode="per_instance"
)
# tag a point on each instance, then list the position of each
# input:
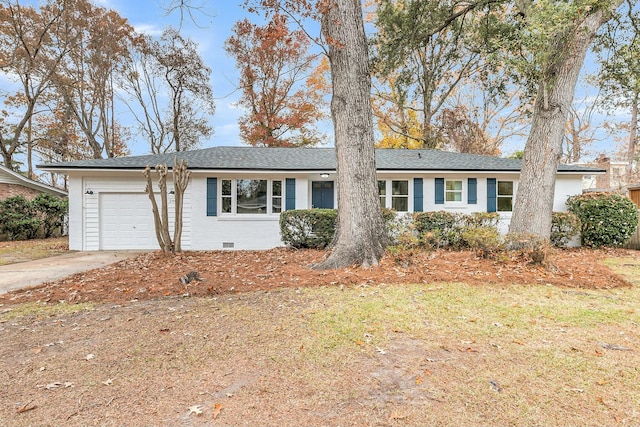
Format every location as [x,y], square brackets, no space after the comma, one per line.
[607,219]
[564,227]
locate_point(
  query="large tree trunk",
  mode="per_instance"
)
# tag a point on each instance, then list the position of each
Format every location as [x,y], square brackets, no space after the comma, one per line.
[360,236]
[534,200]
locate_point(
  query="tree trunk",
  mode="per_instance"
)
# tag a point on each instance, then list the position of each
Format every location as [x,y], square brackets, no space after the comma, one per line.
[534,200]
[360,236]
[180,181]
[633,134]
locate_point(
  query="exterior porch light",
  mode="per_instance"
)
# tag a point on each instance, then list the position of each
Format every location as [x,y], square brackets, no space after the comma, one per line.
[324,175]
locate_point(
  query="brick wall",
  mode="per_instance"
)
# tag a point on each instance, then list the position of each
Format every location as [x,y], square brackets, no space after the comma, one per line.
[10,190]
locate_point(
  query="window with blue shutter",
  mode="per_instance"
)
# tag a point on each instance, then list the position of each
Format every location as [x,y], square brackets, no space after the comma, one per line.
[472,191]
[212,196]
[418,195]
[491,195]
[439,191]
[290,194]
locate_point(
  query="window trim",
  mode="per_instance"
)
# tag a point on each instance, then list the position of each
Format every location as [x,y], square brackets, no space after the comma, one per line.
[234,197]
[389,196]
[461,191]
[505,196]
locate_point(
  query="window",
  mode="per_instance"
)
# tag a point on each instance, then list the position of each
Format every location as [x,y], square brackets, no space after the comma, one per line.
[276,196]
[396,199]
[226,196]
[453,191]
[400,196]
[382,191]
[505,196]
[251,196]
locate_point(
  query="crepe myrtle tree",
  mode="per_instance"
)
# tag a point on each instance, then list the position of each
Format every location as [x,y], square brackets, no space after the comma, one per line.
[181,176]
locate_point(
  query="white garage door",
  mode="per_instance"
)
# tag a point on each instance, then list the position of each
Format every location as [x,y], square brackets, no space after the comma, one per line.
[126,222]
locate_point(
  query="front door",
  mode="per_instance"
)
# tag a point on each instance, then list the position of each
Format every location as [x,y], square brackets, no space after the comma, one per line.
[322,194]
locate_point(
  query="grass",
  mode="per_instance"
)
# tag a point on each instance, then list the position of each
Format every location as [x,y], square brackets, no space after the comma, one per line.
[28,250]
[451,354]
[42,310]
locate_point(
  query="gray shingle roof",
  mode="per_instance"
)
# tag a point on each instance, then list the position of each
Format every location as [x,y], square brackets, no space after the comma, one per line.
[307,159]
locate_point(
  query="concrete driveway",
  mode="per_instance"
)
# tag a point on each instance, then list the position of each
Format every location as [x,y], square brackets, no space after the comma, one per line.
[31,273]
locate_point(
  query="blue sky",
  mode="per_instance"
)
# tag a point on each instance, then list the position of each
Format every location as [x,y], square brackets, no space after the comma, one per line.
[211,31]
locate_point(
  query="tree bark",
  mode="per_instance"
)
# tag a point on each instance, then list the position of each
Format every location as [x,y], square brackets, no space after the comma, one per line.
[534,200]
[360,236]
[633,134]
[180,181]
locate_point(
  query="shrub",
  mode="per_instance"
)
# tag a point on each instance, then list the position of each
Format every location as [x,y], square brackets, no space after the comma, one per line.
[607,219]
[435,228]
[564,227]
[308,228]
[485,241]
[17,218]
[482,219]
[51,211]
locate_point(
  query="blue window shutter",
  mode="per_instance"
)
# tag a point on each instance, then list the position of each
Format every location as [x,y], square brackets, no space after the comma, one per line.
[212,196]
[472,191]
[418,195]
[290,191]
[439,191]
[491,195]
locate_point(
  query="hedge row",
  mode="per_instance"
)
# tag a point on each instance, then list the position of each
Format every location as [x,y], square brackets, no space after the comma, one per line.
[315,228]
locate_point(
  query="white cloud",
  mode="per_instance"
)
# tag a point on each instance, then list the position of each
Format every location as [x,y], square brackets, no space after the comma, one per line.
[148,29]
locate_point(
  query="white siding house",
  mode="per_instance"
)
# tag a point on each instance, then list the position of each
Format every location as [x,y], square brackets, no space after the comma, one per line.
[236,194]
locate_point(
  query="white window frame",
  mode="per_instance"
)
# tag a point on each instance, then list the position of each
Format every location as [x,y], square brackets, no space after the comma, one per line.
[234,197]
[461,191]
[505,196]
[388,196]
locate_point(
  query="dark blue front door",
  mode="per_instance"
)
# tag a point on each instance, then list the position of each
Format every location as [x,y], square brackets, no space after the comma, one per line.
[322,194]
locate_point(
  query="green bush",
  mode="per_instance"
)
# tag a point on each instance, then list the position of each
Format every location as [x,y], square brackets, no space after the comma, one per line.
[51,211]
[607,219]
[17,218]
[564,227]
[446,229]
[308,228]
[435,228]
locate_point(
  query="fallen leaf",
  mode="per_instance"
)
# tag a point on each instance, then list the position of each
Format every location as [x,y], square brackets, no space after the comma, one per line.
[360,343]
[216,410]
[518,342]
[25,407]
[195,409]
[419,379]
[37,350]
[89,357]
[427,372]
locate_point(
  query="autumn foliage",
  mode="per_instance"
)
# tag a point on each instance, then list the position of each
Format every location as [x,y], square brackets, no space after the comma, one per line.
[281,100]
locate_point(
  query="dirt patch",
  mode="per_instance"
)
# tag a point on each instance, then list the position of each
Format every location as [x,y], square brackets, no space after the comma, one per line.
[155,275]
[26,250]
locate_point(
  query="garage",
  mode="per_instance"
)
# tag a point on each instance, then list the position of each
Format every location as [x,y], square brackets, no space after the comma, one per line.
[126,222]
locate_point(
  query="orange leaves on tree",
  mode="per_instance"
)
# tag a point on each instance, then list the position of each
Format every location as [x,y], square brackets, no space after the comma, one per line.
[273,63]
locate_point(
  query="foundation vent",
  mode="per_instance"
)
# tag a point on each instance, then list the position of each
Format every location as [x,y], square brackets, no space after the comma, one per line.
[228,245]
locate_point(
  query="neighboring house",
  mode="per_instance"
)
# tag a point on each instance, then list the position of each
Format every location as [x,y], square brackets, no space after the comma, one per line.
[236,194]
[614,178]
[14,184]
